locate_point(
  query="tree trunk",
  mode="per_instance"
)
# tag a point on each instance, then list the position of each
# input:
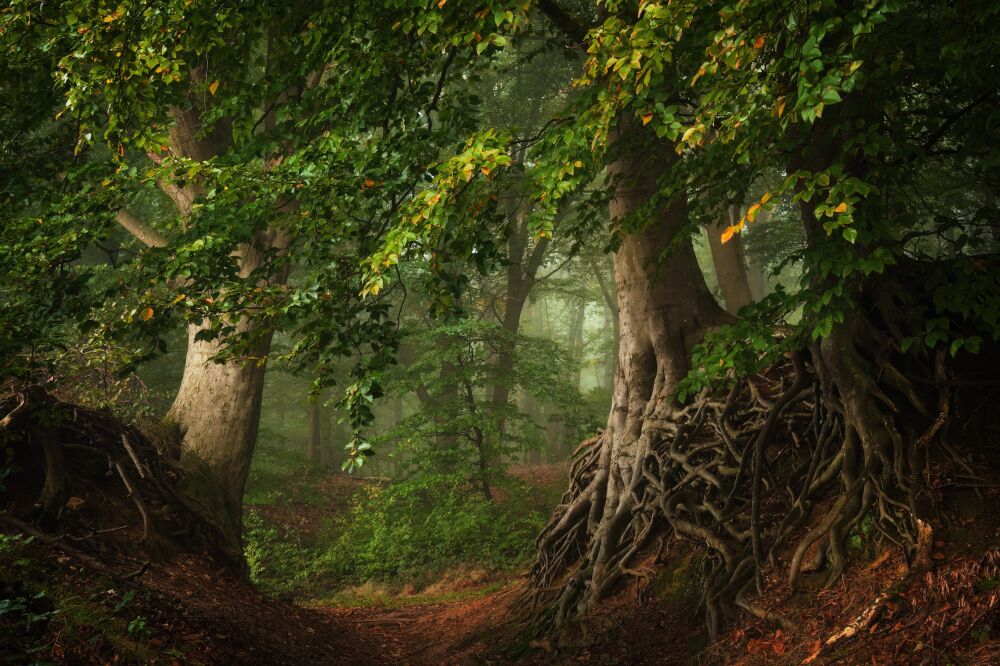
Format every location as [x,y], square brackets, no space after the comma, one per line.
[611,301]
[520,278]
[217,410]
[730,265]
[217,407]
[315,430]
[665,308]
[575,342]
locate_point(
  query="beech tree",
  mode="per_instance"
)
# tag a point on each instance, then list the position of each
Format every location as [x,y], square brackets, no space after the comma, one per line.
[821,99]
[285,136]
[687,106]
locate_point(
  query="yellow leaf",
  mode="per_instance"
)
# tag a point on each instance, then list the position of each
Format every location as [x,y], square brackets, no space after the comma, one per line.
[646,118]
[375,289]
[578,164]
[728,233]
[213,86]
[113,16]
[764,199]
[779,106]
[485,170]
[146,314]
[841,208]
[752,212]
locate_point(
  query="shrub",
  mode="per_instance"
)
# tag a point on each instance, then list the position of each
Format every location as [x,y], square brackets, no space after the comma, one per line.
[430,522]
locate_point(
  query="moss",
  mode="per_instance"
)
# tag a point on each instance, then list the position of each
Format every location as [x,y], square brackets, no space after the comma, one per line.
[678,582]
[678,585]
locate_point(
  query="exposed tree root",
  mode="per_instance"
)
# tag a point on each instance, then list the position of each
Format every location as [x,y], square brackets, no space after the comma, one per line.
[75,471]
[742,474]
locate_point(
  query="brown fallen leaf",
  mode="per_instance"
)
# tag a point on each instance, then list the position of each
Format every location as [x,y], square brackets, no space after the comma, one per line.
[814,649]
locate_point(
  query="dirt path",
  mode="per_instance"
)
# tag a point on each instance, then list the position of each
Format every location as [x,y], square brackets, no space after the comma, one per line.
[434,633]
[479,631]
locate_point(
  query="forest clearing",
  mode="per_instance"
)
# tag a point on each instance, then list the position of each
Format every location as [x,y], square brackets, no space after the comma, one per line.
[499,332]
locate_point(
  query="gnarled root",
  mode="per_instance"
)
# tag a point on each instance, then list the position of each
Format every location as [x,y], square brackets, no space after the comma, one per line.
[741,474]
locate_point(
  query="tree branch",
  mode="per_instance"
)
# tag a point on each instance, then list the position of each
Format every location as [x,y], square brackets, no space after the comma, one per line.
[146,234]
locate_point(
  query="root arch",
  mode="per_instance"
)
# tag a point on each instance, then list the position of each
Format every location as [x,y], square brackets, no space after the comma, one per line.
[741,472]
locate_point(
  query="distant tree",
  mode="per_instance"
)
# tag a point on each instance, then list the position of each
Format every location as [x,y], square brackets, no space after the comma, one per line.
[459,430]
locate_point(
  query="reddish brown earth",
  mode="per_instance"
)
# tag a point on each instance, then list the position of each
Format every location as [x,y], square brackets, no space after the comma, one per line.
[195,614]
[192,613]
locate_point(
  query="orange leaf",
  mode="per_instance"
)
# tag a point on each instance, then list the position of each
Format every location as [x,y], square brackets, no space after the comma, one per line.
[758,43]
[841,208]
[485,170]
[646,117]
[441,4]
[146,314]
[814,649]
[213,86]
[368,183]
[779,106]
[752,212]
[728,233]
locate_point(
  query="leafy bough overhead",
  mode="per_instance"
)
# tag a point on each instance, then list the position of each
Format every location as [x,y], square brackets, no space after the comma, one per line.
[258,153]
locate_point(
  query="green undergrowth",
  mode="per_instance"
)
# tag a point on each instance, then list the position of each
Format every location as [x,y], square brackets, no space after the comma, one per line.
[410,541]
[281,476]
[430,523]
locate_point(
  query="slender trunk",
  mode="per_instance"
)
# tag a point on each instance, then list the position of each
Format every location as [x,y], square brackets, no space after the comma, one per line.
[575,346]
[520,278]
[730,266]
[315,430]
[611,301]
[531,409]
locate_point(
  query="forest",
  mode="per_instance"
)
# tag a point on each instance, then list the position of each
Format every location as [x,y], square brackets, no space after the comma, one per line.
[499,332]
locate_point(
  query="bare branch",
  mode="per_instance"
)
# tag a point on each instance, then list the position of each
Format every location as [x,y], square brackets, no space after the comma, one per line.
[144,233]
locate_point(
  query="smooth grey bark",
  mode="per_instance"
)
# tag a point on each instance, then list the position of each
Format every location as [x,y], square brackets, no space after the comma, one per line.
[730,264]
[217,407]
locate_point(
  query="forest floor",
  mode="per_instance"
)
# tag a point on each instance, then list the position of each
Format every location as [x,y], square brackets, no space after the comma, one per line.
[188,611]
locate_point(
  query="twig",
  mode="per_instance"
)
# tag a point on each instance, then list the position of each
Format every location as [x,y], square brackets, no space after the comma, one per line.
[136,499]
[133,456]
